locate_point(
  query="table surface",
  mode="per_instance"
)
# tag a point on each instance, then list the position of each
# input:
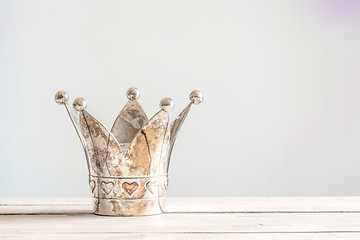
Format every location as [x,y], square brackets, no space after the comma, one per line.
[186,218]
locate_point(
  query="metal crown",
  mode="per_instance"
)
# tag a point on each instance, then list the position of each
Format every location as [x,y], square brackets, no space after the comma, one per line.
[128,166]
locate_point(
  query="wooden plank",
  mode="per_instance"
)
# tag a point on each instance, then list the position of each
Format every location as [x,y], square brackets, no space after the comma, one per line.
[182,223]
[191,236]
[265,204]
[44,201]
[189,218]
[236,205]
[45,209]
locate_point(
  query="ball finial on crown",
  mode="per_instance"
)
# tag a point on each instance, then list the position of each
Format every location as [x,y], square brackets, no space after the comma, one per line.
[166,104]
[196,97]
[79,104]
[61,97]
[133,93]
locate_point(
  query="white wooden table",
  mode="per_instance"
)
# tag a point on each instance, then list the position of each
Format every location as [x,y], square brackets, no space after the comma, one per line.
[186,218]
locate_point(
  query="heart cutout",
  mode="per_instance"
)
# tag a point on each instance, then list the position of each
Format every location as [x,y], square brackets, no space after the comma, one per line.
[92,185]
[130,187]
[107,187]
[151,186]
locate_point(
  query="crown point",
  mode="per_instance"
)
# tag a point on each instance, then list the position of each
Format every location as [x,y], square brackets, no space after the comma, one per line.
[79,104]
[133,93]
[166,104]
[196,97]
[61,97]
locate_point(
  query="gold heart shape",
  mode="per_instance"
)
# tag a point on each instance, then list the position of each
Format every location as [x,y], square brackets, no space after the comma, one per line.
[130,187]
[151,186]
[107,187]
[92,185]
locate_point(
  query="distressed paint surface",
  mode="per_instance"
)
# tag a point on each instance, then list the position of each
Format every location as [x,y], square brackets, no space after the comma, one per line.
[145,150]
[97,138]
[129,121]
[165,153]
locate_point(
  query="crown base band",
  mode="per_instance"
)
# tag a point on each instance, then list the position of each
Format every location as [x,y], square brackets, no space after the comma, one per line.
[128,196]
[134,207]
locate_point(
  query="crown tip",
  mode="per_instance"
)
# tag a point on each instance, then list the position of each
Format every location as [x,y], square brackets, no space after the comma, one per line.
[133,93]
[196,97]
[166,104]
[79,104]
[61,97]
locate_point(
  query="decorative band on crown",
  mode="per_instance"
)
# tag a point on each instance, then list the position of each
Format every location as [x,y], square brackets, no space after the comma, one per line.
[128,196]
[128,187]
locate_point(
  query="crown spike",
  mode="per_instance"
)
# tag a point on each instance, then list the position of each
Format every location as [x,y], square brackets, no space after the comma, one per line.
[102,145]
[145,150]
[196,97]
[130,119]
[61,97]
[89,148]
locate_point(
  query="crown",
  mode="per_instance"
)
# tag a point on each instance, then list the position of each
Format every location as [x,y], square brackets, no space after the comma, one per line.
[128,166]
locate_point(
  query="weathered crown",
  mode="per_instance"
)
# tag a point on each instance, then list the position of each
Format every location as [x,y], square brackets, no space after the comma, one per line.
[128,165]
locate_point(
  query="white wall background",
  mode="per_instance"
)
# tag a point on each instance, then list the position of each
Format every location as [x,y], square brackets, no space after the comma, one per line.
[281,113]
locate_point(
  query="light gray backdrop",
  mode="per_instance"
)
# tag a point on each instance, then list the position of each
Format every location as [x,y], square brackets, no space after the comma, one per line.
[281,114]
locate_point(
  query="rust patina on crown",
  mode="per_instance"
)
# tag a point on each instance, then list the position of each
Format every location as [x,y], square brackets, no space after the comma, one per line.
[128,166]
